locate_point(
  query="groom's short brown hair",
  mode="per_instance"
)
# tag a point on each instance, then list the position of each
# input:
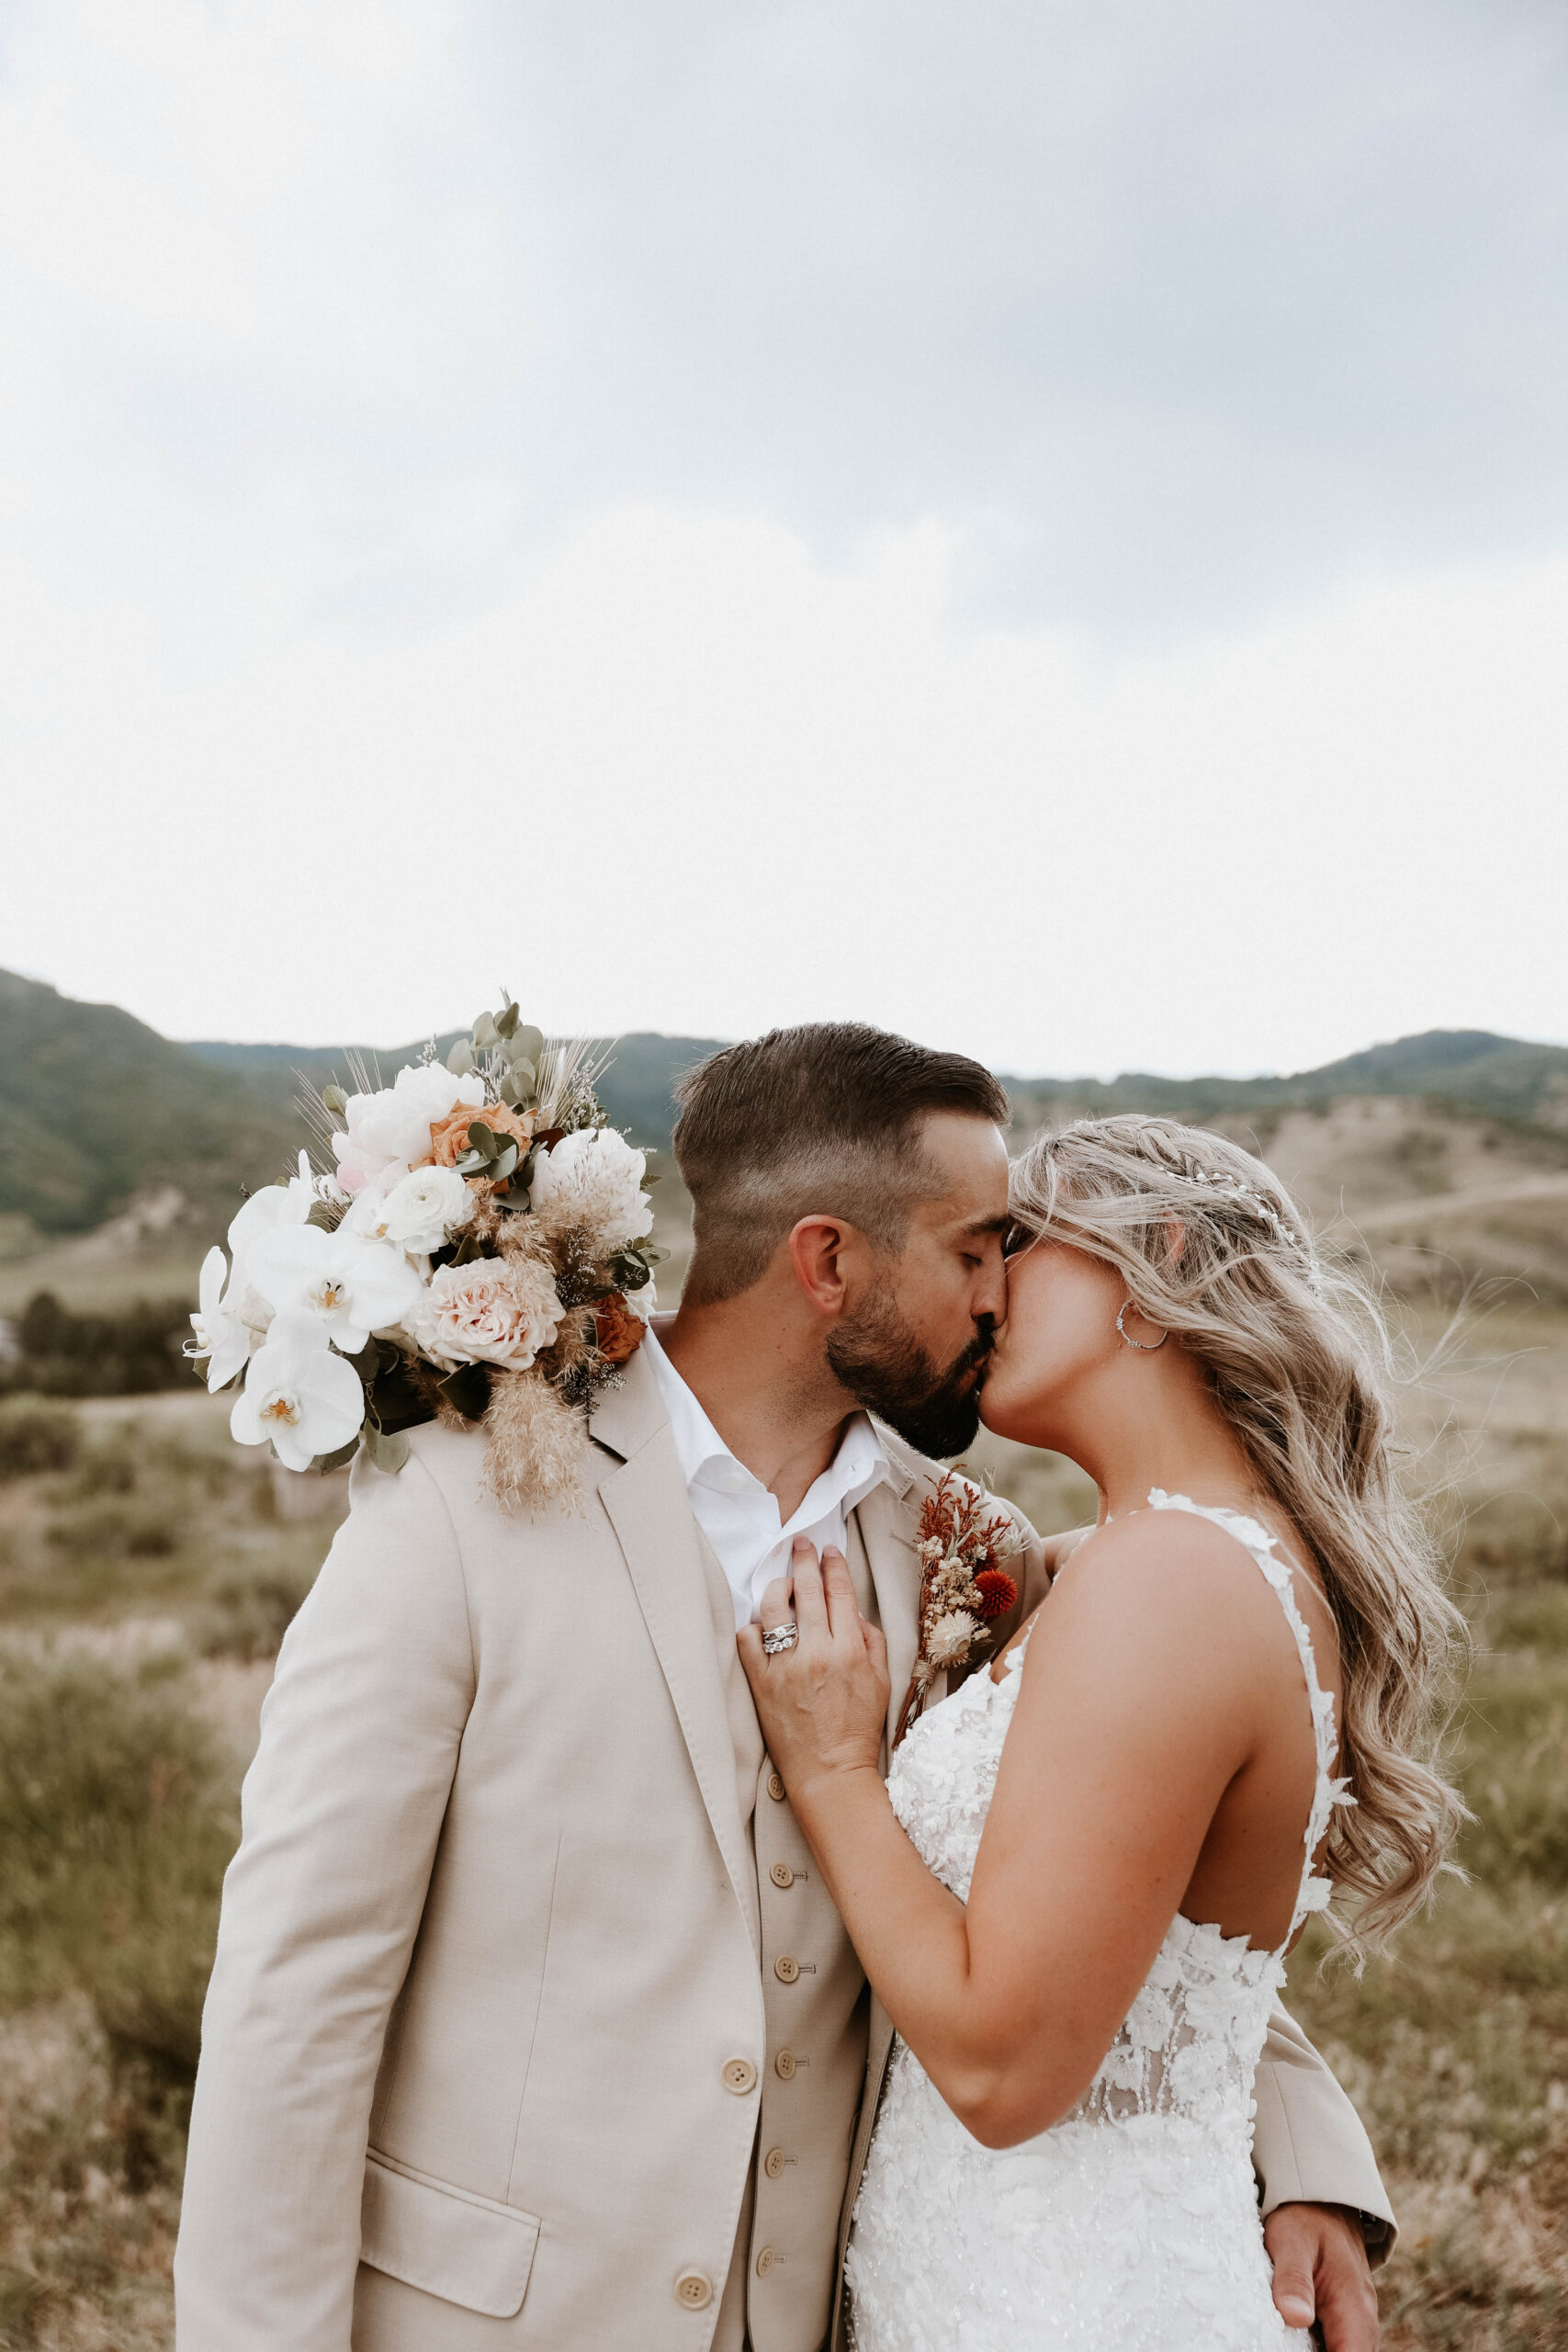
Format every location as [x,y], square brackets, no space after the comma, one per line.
[817,1120]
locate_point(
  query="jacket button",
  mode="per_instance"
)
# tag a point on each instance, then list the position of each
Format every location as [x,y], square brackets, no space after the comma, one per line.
[765,2261]
[784,2065]
[740,2077]
[692,2290]
[773,2163]
[786,1969]
[775,1788]
[782,1874]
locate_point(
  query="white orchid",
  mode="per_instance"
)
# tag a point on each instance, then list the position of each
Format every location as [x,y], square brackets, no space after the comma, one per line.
[308,1401]
[218,1333]
[418,1213]
[339,1285]
[394,1124]
[594,1179]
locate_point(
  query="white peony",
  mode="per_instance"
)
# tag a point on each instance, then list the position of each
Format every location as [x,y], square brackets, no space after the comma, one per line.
[299,1395]
[394,1124]
[594,1179]
[494,1310]
[340,1284]
[417,1214]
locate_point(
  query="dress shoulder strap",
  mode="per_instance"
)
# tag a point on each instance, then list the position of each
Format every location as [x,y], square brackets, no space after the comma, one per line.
[1315,1893]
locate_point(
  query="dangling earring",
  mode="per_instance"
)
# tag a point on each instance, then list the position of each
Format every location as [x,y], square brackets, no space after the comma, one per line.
[1144,1347]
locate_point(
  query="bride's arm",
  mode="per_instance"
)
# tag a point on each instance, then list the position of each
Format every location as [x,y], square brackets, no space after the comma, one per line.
[1147,1686]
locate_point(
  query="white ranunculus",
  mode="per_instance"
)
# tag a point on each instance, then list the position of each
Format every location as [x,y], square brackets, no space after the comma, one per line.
[594,1179]
[494,1310]
[340,1284]
[418,1213]
[218,1331]
[644,1302]
[299,1395]
[395,1124]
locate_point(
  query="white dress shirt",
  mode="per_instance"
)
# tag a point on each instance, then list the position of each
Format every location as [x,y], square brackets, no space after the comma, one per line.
[735,1511]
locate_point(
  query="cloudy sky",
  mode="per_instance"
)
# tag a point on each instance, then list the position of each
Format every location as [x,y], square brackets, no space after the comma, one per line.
[1043,526]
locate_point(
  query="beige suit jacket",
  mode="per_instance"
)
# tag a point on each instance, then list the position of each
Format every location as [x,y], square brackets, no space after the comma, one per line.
[531,2025]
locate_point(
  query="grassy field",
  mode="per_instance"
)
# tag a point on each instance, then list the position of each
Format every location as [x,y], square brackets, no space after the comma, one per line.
[147,1568]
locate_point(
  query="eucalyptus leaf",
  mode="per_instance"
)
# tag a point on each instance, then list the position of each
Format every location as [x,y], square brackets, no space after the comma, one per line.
[504,1164]
[333,1098]
[480,1139]
[506,1023]
[484,1031]
[510,1090]
[528,1042]
[460,1060]
[388,1450]
[471,1163]
[338,1461]
[524,1072]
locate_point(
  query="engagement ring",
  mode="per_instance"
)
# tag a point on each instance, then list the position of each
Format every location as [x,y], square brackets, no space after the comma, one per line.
[779,1637]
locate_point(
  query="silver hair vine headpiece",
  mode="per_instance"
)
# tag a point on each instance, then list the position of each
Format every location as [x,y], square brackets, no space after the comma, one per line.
[1251,1202]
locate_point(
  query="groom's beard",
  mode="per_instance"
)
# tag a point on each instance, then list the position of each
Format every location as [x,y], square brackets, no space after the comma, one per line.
[879,1359]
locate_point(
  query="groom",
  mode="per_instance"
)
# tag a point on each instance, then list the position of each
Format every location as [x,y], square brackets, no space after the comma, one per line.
[532,2024]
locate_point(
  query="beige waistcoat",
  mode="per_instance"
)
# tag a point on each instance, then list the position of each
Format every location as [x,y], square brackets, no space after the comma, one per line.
[532,2024]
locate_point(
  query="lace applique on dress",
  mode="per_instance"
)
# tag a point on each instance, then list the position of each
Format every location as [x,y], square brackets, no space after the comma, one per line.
[1132,2225]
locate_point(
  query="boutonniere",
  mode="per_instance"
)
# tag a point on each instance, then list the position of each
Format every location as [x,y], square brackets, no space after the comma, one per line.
[964,1585]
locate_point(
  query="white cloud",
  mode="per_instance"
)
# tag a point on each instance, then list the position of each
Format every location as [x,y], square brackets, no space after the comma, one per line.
[686,777]
[530,496]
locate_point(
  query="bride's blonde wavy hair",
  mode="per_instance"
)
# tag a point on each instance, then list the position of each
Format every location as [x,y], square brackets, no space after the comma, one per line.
[1299,1362]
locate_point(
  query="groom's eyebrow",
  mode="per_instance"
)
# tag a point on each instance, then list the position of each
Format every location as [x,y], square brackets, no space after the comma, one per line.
[978,1225]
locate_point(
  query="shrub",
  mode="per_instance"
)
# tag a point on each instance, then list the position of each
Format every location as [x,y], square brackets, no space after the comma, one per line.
[131,1354]
[116,1825]
[37,1438]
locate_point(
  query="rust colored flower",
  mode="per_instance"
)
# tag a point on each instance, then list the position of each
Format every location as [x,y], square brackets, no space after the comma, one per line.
[998,1592]
[618,1331]
[449,1136]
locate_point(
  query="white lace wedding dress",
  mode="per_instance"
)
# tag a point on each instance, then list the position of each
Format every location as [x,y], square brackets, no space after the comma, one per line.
[1133,2225]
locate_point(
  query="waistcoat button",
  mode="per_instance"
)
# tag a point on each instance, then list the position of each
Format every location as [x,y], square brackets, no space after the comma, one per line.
[773,2163]
[782,1874]
[739,2075]
[765,2261]
[775,1788]
[692,2290]
[784,2065]
[786,1969]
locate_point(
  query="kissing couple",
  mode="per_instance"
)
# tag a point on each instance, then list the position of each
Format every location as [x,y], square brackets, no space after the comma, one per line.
[654,1928]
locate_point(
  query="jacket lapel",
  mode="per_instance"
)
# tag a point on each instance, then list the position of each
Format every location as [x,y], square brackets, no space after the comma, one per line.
[645,1496]
[888,1520]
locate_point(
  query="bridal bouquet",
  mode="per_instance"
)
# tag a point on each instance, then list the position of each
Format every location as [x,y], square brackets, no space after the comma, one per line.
[476,1251]
[963,1584]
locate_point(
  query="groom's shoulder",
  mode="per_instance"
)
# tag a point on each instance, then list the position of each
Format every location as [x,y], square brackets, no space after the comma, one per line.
[915,1476]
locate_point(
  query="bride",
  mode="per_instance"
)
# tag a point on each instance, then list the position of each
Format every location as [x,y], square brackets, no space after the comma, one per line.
[1075,1890]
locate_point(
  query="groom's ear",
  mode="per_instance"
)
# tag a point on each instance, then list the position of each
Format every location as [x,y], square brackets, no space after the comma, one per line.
[824,1255]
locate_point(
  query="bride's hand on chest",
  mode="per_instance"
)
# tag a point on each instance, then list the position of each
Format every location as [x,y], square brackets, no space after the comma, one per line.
[822,1703]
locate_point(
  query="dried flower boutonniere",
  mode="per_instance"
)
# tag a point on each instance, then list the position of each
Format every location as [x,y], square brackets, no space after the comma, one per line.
[963,1583]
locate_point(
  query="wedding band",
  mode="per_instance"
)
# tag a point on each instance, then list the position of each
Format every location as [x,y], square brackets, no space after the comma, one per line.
[779,1637]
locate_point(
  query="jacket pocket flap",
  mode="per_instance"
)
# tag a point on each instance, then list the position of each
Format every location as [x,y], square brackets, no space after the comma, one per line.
[452,2243]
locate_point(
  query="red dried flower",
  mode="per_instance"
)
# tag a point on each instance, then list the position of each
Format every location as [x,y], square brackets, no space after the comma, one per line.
[998,1592]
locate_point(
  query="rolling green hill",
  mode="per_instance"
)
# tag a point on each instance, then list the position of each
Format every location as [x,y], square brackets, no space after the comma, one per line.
[96,1109]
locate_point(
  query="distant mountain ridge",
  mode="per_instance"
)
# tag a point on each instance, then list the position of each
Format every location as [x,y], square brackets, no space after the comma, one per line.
[95,1106]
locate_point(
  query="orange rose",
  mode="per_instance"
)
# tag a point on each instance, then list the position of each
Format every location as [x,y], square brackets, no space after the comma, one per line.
[449,1136]
[619,1332]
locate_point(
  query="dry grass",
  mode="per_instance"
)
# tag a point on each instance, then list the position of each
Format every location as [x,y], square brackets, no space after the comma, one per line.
[157,1540]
